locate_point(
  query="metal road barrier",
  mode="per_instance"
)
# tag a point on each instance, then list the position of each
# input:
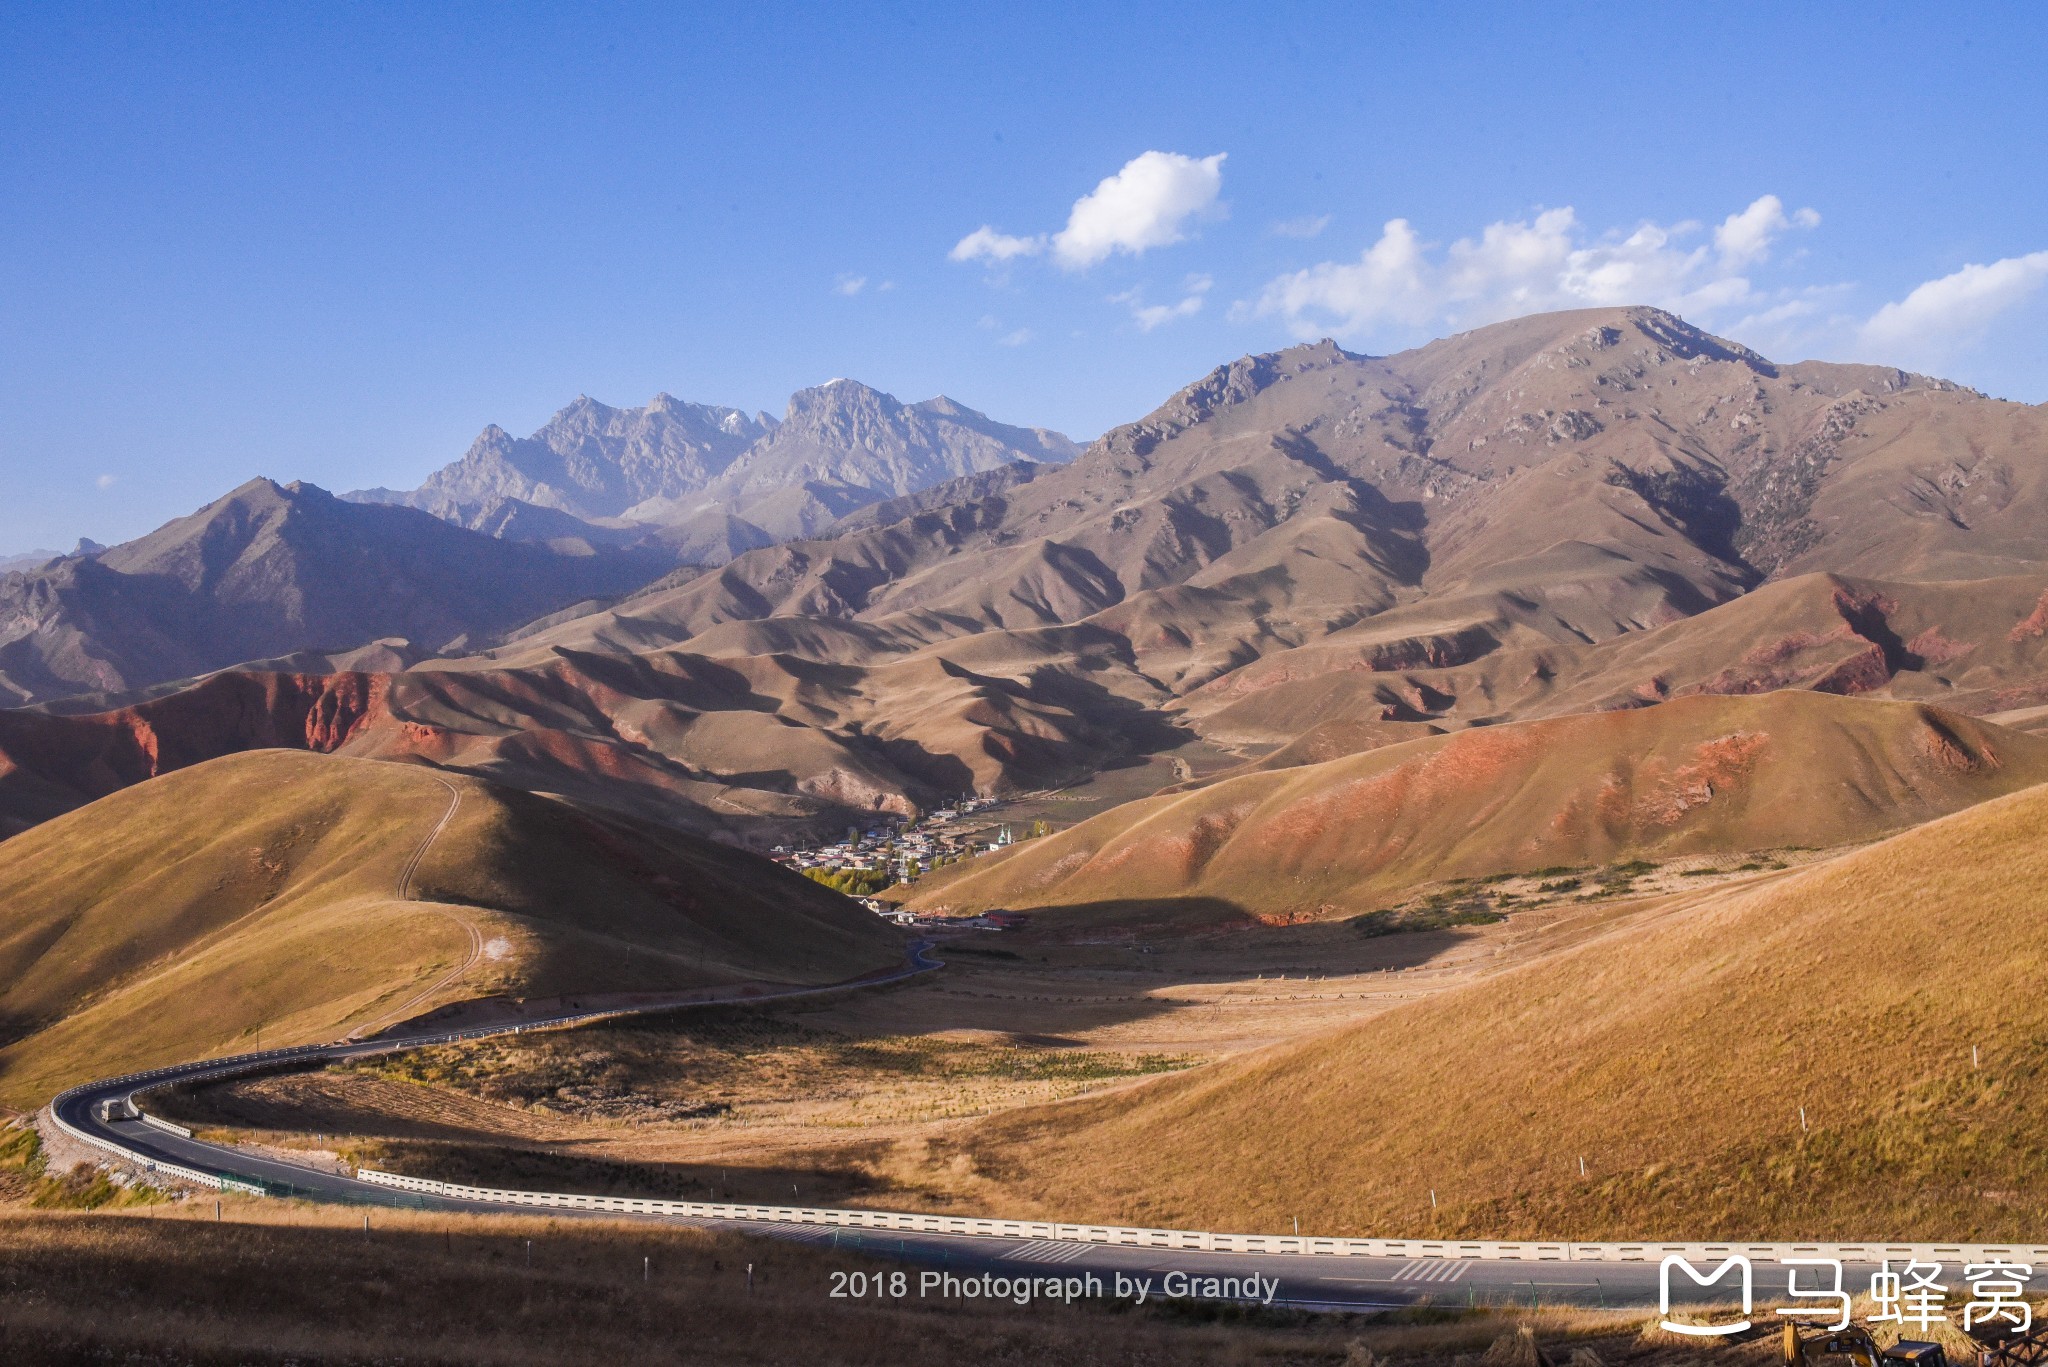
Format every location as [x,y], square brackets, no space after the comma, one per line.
[1204,1240]
[400,1190]
[154,1079]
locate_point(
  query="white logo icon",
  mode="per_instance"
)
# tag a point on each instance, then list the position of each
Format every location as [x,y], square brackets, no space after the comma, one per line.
[1703,1330]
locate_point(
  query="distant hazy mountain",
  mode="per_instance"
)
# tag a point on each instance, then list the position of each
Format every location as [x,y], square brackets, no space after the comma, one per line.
[844,446]
[30,559]
[26,559]
[591,460]
[274,569]
[715,481]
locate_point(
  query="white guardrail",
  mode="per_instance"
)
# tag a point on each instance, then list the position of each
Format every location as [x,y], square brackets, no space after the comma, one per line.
[1204,1240]
[174,1170]
[159,1123]
[154,1079]
[903,1222]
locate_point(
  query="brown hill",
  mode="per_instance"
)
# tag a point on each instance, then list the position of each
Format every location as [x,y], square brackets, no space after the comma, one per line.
[266,899]
[1580,474]
[272,569]
[1975,647]
[1695,776]
[1788,1060]
[756,745]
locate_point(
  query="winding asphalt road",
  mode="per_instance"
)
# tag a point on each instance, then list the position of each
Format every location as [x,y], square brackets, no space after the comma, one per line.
[1312,1281]
[1360,1284]
[1320,1281]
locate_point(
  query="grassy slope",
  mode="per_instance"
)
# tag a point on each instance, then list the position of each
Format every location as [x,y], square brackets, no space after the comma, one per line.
[1695,776]
[1674,1056]
[278,1286]
[253,901]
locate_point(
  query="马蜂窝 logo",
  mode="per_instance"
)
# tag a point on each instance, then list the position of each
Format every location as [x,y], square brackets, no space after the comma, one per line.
[1703,1330]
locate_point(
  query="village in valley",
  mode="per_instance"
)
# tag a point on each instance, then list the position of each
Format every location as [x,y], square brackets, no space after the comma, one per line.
[898,851]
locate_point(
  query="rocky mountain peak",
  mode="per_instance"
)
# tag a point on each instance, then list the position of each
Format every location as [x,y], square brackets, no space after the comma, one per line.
[838,396]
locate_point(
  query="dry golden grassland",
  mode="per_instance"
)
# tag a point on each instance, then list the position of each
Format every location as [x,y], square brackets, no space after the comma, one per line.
[256,901]
[25,1177]
[861,1099]
[690,1105]
[276,1282]
[1674,1053]
[1666,1028]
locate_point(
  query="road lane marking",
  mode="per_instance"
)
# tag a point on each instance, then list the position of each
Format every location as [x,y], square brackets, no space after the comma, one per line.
[1046,1251]
[1432,1270]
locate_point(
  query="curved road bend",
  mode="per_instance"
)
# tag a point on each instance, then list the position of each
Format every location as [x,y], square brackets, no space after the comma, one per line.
[1313,1281]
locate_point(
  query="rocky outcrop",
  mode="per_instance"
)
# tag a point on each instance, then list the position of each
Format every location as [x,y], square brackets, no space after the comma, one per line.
[50,764]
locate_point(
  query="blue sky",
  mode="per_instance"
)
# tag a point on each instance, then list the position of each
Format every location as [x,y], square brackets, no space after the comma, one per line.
[333,242]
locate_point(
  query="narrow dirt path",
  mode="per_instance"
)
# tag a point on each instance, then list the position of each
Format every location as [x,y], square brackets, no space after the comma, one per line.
[405,894]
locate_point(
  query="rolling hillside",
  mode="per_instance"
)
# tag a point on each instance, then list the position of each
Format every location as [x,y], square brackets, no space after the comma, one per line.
[1694,776]
[1674,1056]
[752,745]
[264,899]
[1976,646]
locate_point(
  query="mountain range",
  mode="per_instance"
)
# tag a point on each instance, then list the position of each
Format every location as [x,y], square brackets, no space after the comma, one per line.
[277,570]
[1300,556]
[713,481]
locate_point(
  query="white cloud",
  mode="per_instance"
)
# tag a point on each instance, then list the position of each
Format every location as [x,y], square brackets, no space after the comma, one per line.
[1146,204]
[1386,283]
[1149,316]
[850,285]
[1955,307]
[105,482]
[1527,266]
[1746,237]
[986,244]
[1140,207]
[1304,228]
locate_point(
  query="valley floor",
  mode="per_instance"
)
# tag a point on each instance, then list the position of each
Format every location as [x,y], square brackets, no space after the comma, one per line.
[872,1099]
